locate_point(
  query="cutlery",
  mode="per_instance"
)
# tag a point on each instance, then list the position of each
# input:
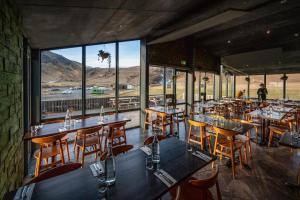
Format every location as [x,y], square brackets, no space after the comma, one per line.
[98,168]
[165,177]
[204,155]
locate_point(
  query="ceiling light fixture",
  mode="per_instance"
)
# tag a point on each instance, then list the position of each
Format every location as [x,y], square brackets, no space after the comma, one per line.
[228,41]
[296,34]
[268,32]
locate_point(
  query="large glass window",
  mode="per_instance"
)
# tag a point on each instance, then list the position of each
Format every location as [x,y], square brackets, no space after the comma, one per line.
[293,87]
[169,81]
[217,88]
[197,83]
[156,86]
[61,72]
[274,86]
[129,80]
[255,81]
[210,86]
[100,78]
[241,85]
[180,86]
[230,83]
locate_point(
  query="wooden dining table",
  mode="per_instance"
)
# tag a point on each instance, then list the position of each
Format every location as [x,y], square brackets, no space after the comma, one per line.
[170,112]
[269,115]
[133,180]
[227,124]
[59,128]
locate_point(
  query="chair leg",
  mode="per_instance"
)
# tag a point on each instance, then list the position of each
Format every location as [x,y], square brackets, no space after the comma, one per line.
[232,163]
[270,138]
[38,166]
[249,148]
[240,155]
[68,152]
[256,135]
[221,154]
[245,153]
[77,153]
[83,155]
[209,145]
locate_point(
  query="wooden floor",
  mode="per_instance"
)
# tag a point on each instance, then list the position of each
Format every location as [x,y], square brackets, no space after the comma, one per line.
[264,178]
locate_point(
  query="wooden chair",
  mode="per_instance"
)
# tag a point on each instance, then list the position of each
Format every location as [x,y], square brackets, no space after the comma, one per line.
[89,141]
[56,171]
[117,133]
[197,189]
[148,118]
[116,150]
[48,149]
[246,139]
[194,138]
[178,118]
[256,122]
[281,127]
[162,121]
[65,139]
[225,145]
[75,139]
[150,139]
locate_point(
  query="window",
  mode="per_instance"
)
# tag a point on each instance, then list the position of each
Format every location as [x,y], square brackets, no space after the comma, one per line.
[255,81]
[61,72]
[241,84]
[274,86]
[197,83]
[230,86]
[156,85]
[180,87]
[293,86]
[210,86]
[216,89]
[100,78]
[169,81]
[129,81]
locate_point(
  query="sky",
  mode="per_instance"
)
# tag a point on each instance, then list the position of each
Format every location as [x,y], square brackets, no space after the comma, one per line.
[129,54]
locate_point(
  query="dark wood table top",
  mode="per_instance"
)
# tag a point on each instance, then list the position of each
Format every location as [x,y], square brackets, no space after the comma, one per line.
[133,180]
[54,128]
[273,115]
[224,123]
[168,111]
[288,140]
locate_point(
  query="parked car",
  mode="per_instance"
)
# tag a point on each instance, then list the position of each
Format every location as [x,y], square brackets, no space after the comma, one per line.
[67,92]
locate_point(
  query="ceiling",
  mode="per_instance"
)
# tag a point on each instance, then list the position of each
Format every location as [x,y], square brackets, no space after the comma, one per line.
[58,23]
[250,27]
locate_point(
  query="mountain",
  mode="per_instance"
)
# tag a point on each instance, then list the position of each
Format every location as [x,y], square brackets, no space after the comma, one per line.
[60,71]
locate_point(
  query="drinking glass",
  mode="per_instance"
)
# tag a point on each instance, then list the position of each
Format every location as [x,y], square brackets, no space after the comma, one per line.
[189,147]
[102,186]
[149,163]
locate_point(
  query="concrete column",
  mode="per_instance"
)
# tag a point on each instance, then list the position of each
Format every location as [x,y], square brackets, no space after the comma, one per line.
[220,82]
[83,81]
[35,86]
[144,80]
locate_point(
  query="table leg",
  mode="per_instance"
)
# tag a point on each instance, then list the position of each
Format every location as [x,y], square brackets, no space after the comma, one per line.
[263,133]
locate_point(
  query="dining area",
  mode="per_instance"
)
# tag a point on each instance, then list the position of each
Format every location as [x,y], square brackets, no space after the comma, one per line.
[164,162]
[160,100]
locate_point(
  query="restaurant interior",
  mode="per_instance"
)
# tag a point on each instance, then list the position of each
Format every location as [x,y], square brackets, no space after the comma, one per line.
[138,99]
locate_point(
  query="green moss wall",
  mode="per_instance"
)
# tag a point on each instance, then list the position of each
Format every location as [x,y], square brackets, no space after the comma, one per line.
[11,99]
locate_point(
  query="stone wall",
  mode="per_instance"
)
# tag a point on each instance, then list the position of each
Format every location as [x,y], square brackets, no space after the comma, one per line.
[11,99]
